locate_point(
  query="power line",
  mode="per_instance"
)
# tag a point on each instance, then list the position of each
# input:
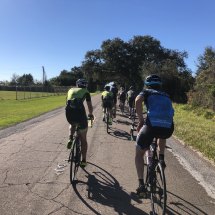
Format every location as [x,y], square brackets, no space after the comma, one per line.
[22,68]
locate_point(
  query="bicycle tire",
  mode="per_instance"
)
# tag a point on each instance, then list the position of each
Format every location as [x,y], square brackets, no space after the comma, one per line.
[75,160]
[158,190]
[107,120]
[132,132]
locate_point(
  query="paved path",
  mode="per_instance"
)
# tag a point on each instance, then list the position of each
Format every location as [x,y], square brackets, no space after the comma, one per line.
[31,183]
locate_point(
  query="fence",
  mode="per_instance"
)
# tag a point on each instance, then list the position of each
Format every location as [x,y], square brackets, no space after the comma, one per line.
[28,92]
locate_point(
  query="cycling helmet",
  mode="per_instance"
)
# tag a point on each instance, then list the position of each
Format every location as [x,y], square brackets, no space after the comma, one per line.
[131,88]
[107,88]
[121,88]
[153,80]
[81,83]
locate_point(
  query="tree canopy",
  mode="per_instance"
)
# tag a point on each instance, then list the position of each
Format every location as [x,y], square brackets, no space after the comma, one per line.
[128,63]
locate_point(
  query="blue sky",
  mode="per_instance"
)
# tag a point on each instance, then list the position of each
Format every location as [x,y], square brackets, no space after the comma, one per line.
[57,34]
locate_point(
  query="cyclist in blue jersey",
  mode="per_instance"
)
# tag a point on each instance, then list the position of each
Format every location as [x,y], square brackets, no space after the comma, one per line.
[114,89]
[158,123]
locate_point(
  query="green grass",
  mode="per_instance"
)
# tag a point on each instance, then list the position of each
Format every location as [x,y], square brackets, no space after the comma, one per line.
[196,126]
[16,111]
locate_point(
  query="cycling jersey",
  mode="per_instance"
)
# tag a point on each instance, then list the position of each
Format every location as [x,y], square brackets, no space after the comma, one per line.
[122,96]
[107,95]
[114,90]
[107,98]
[131,94]
[159,108]
[75,111]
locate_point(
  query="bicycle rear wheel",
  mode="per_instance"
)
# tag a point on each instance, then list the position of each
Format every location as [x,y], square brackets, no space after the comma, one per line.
[158,191]
[107,121]
[75,160]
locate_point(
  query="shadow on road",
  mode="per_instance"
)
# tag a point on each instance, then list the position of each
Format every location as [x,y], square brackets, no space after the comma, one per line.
[119,134]
[104,189]
[181,206]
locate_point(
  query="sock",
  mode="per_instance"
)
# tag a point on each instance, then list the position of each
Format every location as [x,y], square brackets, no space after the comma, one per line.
[161,157]
[141,182]
[103,114]
[84,160]
[71,137]
[111,119]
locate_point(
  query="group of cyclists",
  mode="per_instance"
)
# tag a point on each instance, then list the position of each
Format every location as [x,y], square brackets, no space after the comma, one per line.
[109,99]
[158,123]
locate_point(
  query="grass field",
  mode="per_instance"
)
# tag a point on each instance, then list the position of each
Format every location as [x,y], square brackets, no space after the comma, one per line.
[16,111]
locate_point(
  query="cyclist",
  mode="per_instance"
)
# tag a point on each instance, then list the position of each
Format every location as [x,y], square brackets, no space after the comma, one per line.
[159,123]
[122,97]
[114,89]
[107,102]
[75,112]
[131,95]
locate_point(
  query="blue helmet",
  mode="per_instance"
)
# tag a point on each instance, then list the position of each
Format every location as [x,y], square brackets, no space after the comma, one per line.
[153,79]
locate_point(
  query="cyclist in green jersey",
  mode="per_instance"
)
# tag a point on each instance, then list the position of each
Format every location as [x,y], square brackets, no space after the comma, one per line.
[107,102]
[75,113]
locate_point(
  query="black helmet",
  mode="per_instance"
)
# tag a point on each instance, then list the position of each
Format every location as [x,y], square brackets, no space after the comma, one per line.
[153,80]
[81,83]
[107,88]
[131,88]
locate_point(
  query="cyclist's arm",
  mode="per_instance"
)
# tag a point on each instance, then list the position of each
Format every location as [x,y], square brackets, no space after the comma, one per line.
[139,109]
[90,107]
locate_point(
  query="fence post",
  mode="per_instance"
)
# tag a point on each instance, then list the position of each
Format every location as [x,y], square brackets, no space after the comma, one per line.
[47,90]
[24,92]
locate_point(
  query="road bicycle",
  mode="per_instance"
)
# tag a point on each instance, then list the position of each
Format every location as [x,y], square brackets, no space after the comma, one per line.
[75,153]
[155,183]
[133,117]
[107,118]
[122,105]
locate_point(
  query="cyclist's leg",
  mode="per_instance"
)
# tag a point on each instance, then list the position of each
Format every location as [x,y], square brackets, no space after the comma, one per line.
[115,101]
[83,138]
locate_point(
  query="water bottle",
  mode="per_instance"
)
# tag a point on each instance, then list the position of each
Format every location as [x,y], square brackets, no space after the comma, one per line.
[149,157]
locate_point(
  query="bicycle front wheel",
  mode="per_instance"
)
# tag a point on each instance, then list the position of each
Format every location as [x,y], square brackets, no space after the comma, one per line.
[158,191]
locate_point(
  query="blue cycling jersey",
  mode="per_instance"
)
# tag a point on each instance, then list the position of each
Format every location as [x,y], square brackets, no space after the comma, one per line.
[159,108]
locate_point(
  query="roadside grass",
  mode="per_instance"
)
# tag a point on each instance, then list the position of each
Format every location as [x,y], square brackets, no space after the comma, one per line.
[196,126]
[16,111]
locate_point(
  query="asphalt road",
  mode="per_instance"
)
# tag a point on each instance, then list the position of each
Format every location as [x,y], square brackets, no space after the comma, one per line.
[31,181]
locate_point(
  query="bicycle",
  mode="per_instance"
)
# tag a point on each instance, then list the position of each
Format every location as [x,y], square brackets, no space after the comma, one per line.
[107,118]
[155,182]
[75,153]
[133,117]
[122,104]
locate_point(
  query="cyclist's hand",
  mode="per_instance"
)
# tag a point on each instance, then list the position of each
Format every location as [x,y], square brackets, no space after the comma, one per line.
[91,116]
[140,125]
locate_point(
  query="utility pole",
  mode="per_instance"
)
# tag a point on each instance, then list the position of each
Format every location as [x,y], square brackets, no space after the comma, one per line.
[44,75]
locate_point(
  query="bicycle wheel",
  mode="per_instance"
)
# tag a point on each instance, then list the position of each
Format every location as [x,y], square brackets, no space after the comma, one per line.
[132,132]
[107,120]
[75,160]
[158,191]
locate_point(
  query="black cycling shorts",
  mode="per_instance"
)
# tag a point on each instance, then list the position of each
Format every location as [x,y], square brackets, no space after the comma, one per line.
[148,132]
[114,99]
[122,101]
[108,104]
[131,101]
[75,116]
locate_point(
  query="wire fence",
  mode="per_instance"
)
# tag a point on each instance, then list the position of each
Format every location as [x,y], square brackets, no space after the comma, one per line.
[29,92]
